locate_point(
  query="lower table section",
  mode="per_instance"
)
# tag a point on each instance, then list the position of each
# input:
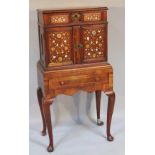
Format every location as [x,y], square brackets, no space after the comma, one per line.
[70,80]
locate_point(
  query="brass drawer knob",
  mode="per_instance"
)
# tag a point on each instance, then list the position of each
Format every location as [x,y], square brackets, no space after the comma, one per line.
[62,83]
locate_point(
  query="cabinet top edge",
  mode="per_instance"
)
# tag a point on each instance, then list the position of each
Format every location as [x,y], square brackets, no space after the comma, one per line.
[71,9]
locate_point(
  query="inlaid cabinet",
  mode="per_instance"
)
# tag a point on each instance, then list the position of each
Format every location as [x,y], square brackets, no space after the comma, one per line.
[73,57]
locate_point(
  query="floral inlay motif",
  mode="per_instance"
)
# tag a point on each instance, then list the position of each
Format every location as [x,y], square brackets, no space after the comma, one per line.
[59,46]
[55,19]
[93,40]
[92,16]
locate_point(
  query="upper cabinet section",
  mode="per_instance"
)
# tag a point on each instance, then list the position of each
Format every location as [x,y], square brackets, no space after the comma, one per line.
[71,16]
[71,37]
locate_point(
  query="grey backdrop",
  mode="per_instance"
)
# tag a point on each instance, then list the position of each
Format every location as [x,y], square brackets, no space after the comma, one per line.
[81,106]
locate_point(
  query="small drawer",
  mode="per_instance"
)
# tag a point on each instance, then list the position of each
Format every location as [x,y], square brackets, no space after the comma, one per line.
[95,16]
[76,81]
[56,18]
[92,16]
[88,16]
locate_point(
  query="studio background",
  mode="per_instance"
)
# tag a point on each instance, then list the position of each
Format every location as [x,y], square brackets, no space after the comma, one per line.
[74,117]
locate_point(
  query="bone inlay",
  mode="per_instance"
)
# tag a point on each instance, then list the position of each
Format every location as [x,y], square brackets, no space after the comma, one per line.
[93,43]
[60,46]
[92,16]
[55,19]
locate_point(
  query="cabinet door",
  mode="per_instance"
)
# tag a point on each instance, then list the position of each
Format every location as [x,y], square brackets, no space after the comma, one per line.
[94,42]
[59,46]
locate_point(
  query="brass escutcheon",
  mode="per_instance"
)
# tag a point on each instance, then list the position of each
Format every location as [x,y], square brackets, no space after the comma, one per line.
[78,46]
[76,17]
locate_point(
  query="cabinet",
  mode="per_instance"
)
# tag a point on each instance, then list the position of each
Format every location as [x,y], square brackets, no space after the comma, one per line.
[73,57]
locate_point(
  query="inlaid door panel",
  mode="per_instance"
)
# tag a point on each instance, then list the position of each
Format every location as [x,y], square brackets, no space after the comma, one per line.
[59,46]
[94,41]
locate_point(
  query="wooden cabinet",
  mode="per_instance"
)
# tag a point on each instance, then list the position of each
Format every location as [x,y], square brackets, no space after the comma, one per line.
[72,36]
[73,57]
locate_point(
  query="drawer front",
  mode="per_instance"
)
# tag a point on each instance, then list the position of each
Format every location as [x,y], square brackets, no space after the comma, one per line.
[58,18]
[76,81]
[79,77]
[92,16]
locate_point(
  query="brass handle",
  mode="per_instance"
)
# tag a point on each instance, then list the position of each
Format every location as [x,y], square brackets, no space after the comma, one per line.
[79,46]
[76,16]
[62,82]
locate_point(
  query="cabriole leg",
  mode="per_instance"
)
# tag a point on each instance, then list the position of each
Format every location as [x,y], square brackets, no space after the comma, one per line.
[40,97]
[98,103]
[111,102]
[47,114]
